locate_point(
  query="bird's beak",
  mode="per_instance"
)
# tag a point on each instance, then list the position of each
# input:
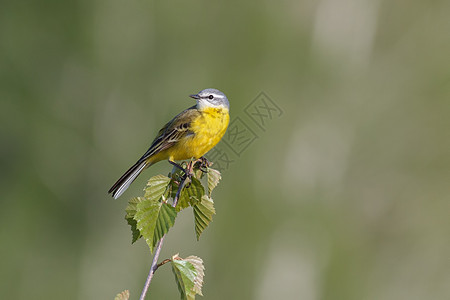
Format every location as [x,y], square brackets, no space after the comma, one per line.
[195,96]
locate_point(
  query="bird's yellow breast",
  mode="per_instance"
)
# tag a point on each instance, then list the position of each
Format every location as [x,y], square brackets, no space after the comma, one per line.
[207,130]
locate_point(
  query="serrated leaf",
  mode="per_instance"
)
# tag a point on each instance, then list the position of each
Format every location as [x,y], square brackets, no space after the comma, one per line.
[185,275]
[131,211]
[125,295]
[154,219]
[166,219]
[203,213]
[197,262]
[156,186]
[213,179]
[136,234]
[191,194]
[131,207]
[183,201]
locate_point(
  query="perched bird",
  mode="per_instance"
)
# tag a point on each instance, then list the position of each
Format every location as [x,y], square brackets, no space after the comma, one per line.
[190,134]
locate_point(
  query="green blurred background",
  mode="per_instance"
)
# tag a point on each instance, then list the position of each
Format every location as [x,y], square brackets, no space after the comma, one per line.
[344,196]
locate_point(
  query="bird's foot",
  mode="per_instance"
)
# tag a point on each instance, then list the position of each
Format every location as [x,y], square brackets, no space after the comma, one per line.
[204,164]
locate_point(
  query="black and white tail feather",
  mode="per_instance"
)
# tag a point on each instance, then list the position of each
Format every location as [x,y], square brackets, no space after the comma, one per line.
[124,182]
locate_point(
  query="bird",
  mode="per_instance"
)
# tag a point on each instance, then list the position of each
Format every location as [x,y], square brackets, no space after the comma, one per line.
[189,135]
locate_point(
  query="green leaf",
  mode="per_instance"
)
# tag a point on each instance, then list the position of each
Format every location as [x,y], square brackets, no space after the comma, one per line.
[131,211]
[131,208]
[156,186]
[125,295]
[136,234]
[191,194]
[154,219]
[166,219]
[185,277]
[203,213]
[213,179]
[197,262]
[183,201]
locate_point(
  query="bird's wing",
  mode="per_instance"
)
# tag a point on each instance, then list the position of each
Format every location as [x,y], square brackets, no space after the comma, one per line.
[172,132]
[169,135]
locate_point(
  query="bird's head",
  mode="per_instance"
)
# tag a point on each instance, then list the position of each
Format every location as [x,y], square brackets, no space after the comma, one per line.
[211,98]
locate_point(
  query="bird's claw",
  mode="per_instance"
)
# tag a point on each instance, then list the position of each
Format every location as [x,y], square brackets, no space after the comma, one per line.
[204,164]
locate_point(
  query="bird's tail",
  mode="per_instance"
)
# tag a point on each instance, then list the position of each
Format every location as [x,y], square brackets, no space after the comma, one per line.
[124,182]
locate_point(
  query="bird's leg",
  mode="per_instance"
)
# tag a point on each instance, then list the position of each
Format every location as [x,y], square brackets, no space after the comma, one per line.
[177,166]
[187,172]
[189,168]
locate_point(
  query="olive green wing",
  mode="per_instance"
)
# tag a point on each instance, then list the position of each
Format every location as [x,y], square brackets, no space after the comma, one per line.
[169,135]
[172,132]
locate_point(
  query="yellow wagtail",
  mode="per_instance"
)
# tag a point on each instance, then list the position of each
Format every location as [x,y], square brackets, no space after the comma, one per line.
[190,134]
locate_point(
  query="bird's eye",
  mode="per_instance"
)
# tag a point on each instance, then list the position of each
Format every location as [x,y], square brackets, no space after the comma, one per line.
[211,97]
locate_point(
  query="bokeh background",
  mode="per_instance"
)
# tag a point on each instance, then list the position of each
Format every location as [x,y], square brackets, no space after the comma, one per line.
[343,196]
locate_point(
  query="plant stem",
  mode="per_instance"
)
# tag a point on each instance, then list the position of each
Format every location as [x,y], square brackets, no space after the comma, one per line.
[163,263]
[152,268]
[155,265]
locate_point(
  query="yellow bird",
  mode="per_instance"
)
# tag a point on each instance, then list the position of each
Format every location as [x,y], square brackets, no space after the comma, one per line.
[190,134]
